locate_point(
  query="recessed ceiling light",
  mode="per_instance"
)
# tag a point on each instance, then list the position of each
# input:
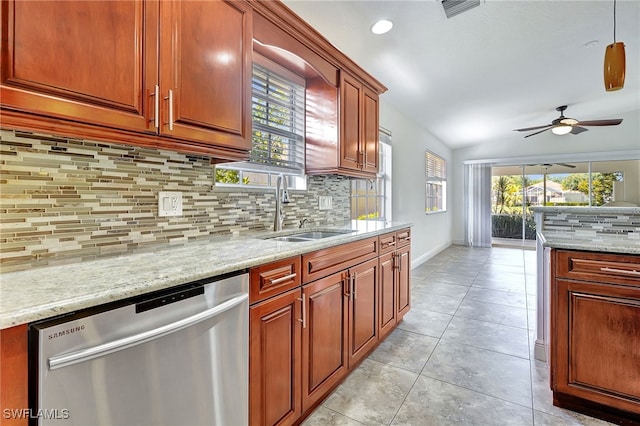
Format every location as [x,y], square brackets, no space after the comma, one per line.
[382,26]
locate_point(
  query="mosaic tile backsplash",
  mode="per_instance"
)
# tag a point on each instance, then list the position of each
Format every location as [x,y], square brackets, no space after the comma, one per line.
[69,197]
[592,224]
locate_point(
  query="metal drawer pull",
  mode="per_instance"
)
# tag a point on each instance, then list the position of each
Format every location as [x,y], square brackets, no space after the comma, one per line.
[60,361]
[392,243]
[282,279]
[621,271]
[304,312]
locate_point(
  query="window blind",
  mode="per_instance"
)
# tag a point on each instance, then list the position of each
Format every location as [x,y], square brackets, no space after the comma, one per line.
[278,112]
[436,183]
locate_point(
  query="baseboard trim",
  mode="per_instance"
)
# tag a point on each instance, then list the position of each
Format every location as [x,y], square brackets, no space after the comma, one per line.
[540,351]
[428,255]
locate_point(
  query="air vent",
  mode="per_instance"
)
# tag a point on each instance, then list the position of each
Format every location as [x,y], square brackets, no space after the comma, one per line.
[456,7]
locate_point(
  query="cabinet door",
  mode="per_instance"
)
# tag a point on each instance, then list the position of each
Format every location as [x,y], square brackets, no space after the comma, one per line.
[93,62]
[205,71]
[387,294]
[363,328]
[350,122]
[404,281]
[275,364]
[324,337]
[370,131]
[596,351]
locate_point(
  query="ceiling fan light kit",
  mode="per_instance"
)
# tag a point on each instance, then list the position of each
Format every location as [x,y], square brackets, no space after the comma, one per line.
[563,125]
[614,61]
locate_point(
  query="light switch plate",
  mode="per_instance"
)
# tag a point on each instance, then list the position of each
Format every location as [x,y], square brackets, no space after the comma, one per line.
[169,203]
[325,202]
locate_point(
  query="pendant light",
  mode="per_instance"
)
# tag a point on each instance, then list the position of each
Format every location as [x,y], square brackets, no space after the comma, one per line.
[614,61]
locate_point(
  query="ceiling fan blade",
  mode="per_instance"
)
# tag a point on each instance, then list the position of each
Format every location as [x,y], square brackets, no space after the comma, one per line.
[613,122]
[528,129]
[567,165]
[576,130]
[544,130]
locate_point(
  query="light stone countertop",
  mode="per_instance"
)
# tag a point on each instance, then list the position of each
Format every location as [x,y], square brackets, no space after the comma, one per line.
[43,292]
[605,243]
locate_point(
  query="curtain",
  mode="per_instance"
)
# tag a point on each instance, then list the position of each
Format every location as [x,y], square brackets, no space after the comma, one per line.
[478,204]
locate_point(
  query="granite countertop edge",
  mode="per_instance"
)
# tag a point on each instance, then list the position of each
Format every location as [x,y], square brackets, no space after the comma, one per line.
[44,292]
[607,244]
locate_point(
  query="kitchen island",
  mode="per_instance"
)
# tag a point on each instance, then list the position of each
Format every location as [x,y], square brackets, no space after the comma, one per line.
[589,308]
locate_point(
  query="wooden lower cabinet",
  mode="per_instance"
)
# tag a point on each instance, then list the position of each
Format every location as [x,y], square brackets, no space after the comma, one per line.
[14,375]
[387,296]
[306,340]
[404,281]
[275,362]
[324,337]
[595,344]
[362,305]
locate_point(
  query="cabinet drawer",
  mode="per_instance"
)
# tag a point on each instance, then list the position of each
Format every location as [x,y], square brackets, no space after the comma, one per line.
[327,261]
[601,267]
[403,237]
[388,242]
[274,278]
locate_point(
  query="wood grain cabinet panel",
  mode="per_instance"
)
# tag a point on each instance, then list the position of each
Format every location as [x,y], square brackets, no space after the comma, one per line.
[14,373]
[595,323]
[170,74]
[275,361]
[324,337]
[274,278]
[205,71]
[362,316]
[404,281]
[94,62]
[387,297]
[327,261]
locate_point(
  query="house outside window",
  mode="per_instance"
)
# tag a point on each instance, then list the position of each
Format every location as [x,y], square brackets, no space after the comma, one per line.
[278,129]
[436,183]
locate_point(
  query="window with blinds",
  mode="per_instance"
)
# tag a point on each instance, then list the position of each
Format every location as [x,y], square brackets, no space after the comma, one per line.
[278,120]
[436,183]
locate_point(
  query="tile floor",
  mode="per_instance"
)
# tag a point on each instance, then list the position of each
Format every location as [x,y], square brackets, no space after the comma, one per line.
[463,355]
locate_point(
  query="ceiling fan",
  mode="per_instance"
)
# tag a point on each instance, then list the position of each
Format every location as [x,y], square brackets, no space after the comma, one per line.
[563,125]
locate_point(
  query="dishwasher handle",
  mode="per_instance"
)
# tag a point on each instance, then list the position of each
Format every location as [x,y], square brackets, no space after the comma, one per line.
[61,361]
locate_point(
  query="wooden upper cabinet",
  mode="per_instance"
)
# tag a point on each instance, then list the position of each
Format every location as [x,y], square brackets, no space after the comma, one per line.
[205,71]
[350,122]
[370,131]
[89,61]
[358,128]
[172,74]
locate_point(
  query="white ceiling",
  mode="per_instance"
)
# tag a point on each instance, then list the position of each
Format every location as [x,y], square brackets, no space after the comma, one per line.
[497,67]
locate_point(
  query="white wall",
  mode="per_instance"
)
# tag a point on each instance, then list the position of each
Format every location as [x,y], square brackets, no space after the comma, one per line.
[430,233]
[545,147]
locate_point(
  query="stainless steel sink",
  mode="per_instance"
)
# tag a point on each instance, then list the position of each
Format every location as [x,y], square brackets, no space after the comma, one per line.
[309,236]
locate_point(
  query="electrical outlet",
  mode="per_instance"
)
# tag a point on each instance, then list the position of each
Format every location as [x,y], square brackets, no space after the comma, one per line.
[325,202]
[169,203]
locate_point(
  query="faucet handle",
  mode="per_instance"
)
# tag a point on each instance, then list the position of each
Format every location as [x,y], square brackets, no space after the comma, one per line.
[302,222]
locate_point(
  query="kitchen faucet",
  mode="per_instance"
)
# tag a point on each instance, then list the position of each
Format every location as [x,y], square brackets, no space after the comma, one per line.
[278,220]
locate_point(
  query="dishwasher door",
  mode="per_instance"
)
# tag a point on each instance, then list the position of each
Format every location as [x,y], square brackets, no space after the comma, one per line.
[177,358]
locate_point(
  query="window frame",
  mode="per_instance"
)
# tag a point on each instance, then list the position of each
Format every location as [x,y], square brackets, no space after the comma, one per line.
[435,178]
[296,177]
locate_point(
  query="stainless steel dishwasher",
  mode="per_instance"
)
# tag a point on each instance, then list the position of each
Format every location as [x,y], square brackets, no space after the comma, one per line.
[177,357]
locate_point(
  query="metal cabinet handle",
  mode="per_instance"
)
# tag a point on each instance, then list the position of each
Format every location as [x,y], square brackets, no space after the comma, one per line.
[304,312]
[282,279]
[353,286]
[60,361]
[156,112]
[632,272]
[170,98]
[346,283]
[392,243]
